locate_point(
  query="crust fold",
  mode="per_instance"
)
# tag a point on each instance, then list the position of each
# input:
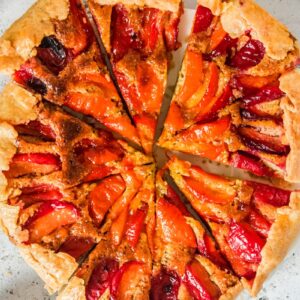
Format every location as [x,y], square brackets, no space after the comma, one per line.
[281,236]
[291,118]
[54,268]
[240,16]
[75,290]
[19,40]
[17,106]
[8,148]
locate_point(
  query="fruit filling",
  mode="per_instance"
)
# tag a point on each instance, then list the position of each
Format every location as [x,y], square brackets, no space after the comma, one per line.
[165,285]
[76,246]
[104,195]
[37,193]
[239,213]
[48,217]
[199,283]
[101,278]
[141,33]
[37,129]
[33,163]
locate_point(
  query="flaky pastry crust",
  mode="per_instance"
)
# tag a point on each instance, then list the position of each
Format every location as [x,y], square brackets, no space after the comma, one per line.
[18,42]
[291,118]
[280,238]
[17,105]
[75,290]
[238,17]
[54,268]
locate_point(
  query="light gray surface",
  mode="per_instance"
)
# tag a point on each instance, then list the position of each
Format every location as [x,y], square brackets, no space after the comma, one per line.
[18,281]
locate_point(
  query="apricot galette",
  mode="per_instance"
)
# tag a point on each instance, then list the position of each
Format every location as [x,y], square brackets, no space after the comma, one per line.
[80,194]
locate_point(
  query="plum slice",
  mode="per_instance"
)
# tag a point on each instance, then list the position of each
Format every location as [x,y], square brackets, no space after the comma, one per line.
[129,276]
[101,278]
[50,216]
[203,19]
[250,163]
[261,142]
[245,242]
[207,247]
[135,225]
[250,55]
[171,32]
[265,94]
[173,225]
[270,195]
[123,35]
[52,54]
[76,246]
[174,199]
[225,47]
[38,193]
[33,163]
[37,129]
[25,77]
[165,285]
[259,223]
[199,284]
[104,195]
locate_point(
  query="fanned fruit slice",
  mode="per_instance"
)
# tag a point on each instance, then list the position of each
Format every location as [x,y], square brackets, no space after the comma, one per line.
[59,178]
[236,97]
[253,223]
[187,263]
[120,266]
[139,37]
[67,68]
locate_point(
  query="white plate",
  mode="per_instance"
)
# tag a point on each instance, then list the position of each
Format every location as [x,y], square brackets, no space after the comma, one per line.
[18,281]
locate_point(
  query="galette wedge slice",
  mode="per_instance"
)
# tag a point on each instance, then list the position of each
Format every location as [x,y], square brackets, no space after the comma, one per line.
[254,224]
[120,266]
[187,263]
[139,37]
[236,97]
[49,140]
[57,57]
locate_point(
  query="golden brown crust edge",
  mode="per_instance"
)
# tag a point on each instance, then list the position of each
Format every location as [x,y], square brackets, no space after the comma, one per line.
[290,84]
[281,237]
[239,16]
[170,5]
[75,290]
[54,268]
[18,42]
[17,105]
